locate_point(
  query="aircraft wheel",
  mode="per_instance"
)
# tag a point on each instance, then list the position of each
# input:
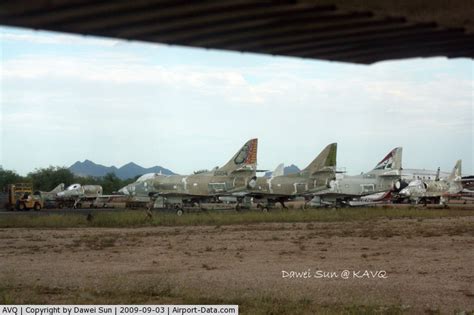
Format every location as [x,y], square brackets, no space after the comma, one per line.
[179,212]
[37,207]
[265,209]
[237,207]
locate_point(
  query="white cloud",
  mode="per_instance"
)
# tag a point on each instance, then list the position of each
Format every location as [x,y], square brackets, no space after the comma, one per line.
[115,107]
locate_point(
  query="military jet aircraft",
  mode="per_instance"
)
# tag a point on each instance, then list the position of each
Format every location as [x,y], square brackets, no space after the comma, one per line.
[177,191]
[384,177]
[281,188]
[49,197]
[424,191]
[75,194]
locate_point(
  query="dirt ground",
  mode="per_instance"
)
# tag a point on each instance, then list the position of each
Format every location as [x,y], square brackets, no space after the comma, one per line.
[429,264]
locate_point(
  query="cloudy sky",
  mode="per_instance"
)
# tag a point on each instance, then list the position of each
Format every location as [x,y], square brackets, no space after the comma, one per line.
[66,98]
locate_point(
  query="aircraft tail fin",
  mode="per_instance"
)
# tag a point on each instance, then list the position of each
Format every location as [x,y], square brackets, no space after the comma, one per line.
[325,161]
[244,160]
[58,188]
[279,170]
[456,172]
[392,161]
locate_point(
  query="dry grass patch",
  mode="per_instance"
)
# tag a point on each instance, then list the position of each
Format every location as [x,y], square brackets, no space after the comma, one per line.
[220,218]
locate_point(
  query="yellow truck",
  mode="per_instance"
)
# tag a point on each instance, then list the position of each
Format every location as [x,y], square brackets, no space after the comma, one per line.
[21,197]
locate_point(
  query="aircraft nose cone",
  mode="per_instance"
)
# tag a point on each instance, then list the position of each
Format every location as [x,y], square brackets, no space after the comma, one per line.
[405,192]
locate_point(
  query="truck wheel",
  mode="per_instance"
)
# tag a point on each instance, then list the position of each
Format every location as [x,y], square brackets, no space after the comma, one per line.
[37,207]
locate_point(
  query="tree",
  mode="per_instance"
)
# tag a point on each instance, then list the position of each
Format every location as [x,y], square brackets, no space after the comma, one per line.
[9,177]
[47,178]
[111,183]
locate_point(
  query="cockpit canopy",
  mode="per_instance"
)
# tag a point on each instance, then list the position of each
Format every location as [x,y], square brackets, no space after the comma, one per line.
[73,187]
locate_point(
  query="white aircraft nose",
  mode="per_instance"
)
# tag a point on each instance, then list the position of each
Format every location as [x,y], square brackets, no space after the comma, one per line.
[405,192]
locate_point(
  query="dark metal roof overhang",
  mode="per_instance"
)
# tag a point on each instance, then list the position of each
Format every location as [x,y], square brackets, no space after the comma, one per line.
[290,28]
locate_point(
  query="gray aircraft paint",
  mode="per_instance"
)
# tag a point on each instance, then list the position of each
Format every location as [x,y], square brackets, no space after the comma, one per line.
[384,177]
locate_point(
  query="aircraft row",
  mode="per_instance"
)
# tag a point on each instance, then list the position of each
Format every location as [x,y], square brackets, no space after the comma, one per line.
[319,183]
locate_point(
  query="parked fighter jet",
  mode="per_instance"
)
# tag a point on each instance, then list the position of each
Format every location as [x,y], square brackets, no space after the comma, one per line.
[280,188]
[384,177]
[76,194]
[49,197]
[423,191]
[233,179]
[78,190]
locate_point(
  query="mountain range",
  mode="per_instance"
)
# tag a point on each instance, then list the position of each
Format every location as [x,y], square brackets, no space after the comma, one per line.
[129,170]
